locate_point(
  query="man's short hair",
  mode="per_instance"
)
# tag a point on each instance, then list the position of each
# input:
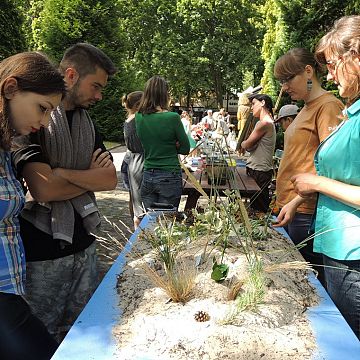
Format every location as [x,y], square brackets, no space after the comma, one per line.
[85,58]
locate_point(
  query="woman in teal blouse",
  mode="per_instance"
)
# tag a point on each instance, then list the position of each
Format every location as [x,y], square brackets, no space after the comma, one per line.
[337,182]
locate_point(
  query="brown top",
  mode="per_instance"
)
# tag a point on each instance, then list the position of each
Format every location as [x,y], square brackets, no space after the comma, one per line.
[317,119]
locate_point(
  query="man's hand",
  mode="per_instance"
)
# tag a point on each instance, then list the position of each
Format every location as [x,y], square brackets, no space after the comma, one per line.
[100,160]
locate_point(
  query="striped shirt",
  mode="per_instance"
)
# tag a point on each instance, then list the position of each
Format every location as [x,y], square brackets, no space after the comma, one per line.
[12,256]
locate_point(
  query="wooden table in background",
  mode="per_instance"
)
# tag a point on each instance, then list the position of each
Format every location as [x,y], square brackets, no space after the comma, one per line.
[241,181]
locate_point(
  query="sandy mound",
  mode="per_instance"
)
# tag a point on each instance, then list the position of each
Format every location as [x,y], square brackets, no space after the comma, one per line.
[154,327]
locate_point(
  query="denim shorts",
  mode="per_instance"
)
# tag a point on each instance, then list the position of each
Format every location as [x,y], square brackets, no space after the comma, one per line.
[161,186]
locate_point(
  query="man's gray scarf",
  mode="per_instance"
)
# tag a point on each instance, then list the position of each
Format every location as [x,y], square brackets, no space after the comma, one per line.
[70,150]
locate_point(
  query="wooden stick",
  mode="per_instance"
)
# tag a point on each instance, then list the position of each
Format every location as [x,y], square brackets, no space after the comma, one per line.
[278,100]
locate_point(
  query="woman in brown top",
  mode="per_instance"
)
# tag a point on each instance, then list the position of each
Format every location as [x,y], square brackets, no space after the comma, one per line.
[297,72]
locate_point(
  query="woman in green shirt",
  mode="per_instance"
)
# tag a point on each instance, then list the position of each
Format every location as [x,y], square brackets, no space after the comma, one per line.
[163,137]
[338,174]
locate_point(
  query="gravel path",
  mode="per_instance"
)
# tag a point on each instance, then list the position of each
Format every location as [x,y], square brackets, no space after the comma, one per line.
[114,205]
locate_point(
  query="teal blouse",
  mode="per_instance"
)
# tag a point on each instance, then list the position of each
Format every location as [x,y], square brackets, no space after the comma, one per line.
[337,225]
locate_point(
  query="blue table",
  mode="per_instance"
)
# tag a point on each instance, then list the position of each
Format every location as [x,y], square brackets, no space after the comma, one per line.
[91,335]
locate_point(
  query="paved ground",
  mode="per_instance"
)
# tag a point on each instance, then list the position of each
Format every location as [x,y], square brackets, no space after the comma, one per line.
[114,205]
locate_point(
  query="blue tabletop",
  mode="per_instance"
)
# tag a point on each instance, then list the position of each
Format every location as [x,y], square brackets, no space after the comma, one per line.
[91,335]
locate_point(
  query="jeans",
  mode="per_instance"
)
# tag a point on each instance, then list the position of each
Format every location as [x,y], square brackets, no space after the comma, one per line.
[300,229]
[160,186]
[343,287]
[22,335]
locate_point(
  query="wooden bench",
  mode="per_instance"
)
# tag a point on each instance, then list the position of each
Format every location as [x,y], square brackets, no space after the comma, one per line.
[238,180]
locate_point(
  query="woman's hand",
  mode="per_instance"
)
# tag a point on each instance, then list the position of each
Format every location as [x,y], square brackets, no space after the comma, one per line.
[305,185]
[288,212]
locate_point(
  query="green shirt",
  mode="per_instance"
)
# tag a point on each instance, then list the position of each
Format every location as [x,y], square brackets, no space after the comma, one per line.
[337,224]
[159,132]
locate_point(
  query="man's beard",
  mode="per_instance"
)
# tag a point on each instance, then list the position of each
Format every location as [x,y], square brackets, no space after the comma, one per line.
[75,99]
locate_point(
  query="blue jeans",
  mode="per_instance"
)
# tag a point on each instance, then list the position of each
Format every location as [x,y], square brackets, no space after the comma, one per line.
[343,287]
[160,186]
[300,229]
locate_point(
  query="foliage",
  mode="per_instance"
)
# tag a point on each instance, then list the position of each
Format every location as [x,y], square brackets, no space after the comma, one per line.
[204,48]
[298,23]
[274,44]
[219,271]
[165,240]
[12,35]
[178,282]
[255,288]
[56,25]
[201,47]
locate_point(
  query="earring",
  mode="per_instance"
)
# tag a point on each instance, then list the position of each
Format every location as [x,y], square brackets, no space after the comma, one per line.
[309,85]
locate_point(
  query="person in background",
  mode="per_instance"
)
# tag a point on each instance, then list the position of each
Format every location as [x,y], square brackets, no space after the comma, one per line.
[125,179]
[221,129]
[163,137]
[187,123]
[227,119]
[62,168]
[243,112]
[131,103]
[246,122]
[31,88]
[337,178]
[208,121]
[298,72]
[286,115]
[261,145]
[185,119]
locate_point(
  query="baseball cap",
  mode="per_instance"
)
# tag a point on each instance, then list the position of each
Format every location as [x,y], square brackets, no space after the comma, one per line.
[287,110]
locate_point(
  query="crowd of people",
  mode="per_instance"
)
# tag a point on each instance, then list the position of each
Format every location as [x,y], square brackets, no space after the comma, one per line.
[53,160]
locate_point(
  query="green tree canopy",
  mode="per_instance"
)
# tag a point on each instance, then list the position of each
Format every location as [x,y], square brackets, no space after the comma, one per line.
[12,36]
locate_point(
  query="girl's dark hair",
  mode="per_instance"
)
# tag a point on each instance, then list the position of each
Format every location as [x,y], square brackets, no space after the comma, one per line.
[293,63]
[267,99]
[131,101]
[156,95]
[33,73]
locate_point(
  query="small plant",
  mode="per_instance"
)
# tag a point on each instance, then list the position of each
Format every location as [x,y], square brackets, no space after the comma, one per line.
[168,239]
[178,282]
[219,271]
[235,286]
[253,294]
[255,288]
[165,239]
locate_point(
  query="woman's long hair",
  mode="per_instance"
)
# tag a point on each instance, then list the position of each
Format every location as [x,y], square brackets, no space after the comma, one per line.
[156,95]
[33,72]
[343,41]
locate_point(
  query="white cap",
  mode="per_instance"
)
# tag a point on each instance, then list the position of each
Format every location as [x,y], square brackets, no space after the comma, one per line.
[287,110]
